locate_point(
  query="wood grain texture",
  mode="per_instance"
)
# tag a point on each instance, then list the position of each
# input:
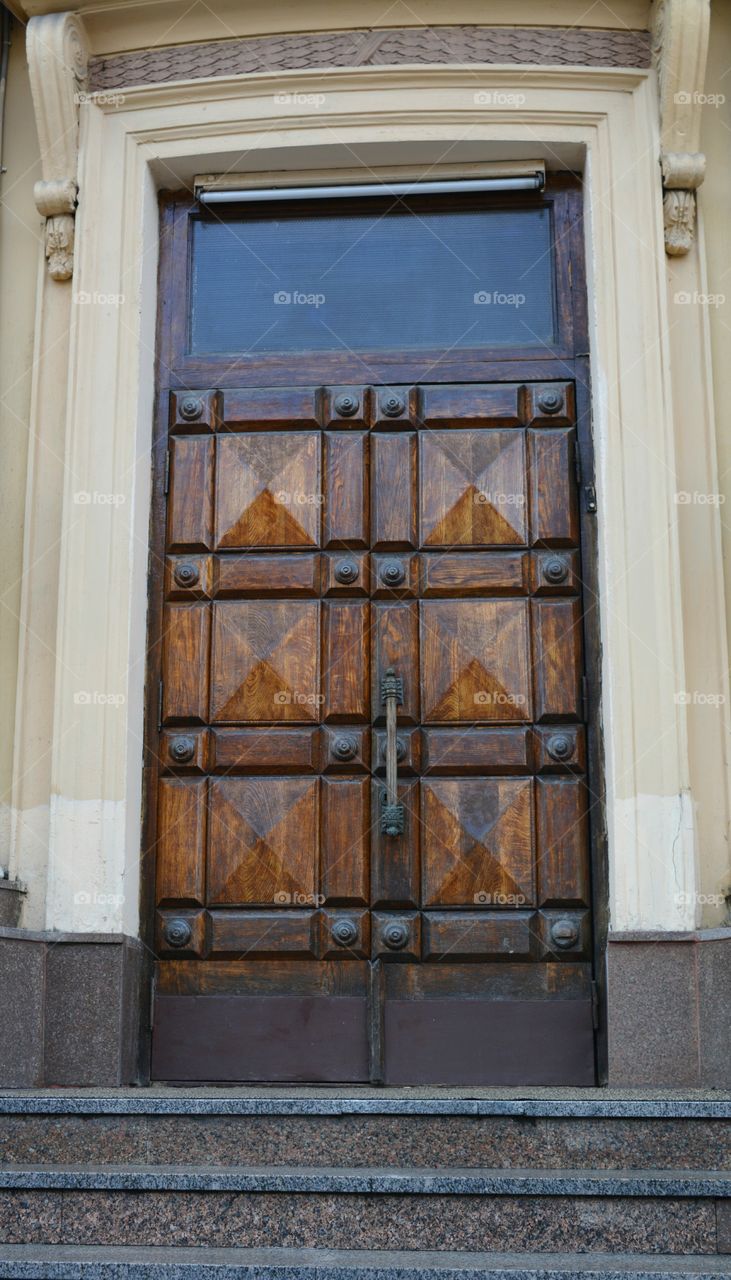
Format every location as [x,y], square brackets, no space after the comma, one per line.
[266,575]
[345,660]
[393,466]
[562,853]
[478,842]
[185,664]
[270,750]
[496,405]
[263,841]
[554,514]
[481,574]
[478,935]
[556,659]
[346,489]
[345,842]
[181,850]
[473,488]
[190,498]
[268,490]
[269,407]
[265,662]
[475,661]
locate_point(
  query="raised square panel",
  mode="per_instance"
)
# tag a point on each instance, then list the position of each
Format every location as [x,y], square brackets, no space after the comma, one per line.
[346,489]
[554,510]
[263,841]
[267,575]
[475,660]
[461,405]
[475,936]
[281,750]
[477,837]
[345,850]
[264,666]
[181,841]
[473,489]
[268,490]
[269,407]
[264,935]
[485,573]
[393,489]
[190,499]
[186,634]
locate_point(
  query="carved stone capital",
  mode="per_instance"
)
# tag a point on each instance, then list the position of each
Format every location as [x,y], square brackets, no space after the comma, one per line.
[681,169]
[57,52]
[680,49]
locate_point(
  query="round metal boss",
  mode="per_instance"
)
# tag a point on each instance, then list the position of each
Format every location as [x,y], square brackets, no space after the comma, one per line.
[555,570]
[186,575]
[346,571]
[564,933]
[191,407]
[395,935]
[560,746]
[392,406]
[550,401]
[344,933]
[182,749]
[392,573]
[346,406]
[345,747]
[177,933]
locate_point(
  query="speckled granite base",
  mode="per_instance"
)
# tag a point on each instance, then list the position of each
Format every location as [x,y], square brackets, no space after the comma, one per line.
[346,1100]
[359,1221]
[65,1262]
[51,981]
[360,1140]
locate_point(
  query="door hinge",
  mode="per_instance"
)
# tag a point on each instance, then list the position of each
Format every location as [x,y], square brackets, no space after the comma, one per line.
[588,490]
[595,1006]
[584,698]
[166,481]
[159,705]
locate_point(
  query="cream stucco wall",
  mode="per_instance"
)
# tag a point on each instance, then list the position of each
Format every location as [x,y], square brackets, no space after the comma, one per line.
[715,206]
[714,199]
[660,803]
[20,227]
[111,28]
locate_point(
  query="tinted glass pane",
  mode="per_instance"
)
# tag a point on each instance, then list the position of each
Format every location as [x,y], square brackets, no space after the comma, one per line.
[373,279]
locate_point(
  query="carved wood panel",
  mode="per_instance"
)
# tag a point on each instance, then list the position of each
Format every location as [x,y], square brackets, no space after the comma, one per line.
[315,541]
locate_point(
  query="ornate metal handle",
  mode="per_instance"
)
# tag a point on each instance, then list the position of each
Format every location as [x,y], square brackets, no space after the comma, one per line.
[392,813]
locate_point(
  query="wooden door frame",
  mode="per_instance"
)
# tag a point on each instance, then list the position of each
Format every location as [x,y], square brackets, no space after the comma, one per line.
[509,365]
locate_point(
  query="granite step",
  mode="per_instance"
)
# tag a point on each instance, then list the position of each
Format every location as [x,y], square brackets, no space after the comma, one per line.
[33,1262]
[601,1210]
[270,1127]
[336,1180]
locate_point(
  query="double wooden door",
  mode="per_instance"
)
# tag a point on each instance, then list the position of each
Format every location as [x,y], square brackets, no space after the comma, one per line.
[321,541]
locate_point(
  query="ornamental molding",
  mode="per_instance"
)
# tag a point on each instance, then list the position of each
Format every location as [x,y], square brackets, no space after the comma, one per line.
[402,46]
[680,50]
[58,54]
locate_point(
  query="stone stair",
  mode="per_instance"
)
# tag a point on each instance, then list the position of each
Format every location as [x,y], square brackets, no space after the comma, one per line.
[308,1184]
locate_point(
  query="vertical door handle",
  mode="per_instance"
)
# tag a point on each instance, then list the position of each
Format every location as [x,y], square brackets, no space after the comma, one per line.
[392,813]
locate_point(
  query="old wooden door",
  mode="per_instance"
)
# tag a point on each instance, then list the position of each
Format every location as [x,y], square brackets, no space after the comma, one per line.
[325,544]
